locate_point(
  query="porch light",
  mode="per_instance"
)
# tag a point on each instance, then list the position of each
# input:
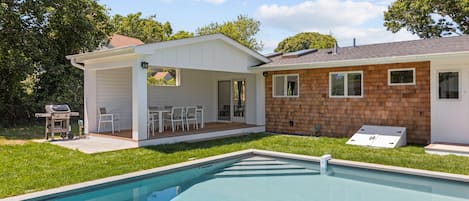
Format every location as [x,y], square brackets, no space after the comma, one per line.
[144,64]
[265,73]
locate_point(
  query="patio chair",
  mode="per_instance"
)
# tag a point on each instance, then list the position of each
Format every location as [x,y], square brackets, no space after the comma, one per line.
[150,124]
[107,118]
[175,117]
[191,116]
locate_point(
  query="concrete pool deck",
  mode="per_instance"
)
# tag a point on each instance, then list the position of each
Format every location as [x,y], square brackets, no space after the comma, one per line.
[95,144]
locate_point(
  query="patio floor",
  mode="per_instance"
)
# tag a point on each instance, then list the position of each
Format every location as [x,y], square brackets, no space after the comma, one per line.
[95,144]
[209,127]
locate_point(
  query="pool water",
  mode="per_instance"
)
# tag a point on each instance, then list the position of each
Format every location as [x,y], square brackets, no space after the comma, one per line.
[260,178]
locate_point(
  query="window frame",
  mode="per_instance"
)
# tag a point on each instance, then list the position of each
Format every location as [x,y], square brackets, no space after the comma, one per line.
[401,69]
[285,85]
[459,85]
[345,84]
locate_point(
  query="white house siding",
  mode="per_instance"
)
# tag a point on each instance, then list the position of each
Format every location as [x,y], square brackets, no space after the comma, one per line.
[450,118]
[114,92]
[199,87]
[214,55]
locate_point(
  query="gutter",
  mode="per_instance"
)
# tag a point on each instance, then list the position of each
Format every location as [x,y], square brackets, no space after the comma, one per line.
[75,64]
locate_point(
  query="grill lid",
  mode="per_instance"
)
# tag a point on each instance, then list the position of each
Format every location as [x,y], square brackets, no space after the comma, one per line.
[57,108]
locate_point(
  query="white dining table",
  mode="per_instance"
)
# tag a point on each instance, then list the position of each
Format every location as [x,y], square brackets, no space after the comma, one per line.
[160,112]
[200,109]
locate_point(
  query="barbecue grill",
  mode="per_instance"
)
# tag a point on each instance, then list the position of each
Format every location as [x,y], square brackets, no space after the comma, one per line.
[57,120]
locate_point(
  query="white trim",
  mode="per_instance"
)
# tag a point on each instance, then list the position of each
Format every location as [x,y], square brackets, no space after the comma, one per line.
[459,85]
[401,69]
[285,85]
[345,84]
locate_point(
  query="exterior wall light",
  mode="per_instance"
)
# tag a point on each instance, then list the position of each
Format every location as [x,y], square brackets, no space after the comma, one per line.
[144,64]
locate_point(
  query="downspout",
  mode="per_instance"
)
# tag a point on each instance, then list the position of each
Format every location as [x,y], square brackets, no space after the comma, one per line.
[74,63]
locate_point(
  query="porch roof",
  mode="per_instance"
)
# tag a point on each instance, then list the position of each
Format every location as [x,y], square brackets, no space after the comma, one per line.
[211,48]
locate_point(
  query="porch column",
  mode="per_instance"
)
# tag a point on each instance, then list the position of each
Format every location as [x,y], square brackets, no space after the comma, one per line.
[89,93]
[260,99]
[139,101]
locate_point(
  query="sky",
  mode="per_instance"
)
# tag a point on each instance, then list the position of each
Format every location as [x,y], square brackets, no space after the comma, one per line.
[344,19]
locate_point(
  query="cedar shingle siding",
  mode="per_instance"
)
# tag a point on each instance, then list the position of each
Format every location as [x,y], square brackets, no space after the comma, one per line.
[407,106]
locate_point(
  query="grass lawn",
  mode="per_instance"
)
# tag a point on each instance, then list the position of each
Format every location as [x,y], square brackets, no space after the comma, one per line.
[33,166]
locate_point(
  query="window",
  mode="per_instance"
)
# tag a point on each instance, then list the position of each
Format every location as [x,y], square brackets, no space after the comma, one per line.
[401,76]
[163,77]
[285,85]
[448,85]
[346,84]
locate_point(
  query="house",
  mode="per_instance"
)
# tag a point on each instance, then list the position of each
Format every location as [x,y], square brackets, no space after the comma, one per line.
[421,85]
[162,76]
[117,40]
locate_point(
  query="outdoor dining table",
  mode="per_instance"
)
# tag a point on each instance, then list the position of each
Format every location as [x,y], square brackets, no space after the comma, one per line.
[160,111]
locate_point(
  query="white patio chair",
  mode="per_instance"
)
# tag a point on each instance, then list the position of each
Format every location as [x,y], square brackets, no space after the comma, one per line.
[107,118]
[175,117]
[191,116]
[152,123]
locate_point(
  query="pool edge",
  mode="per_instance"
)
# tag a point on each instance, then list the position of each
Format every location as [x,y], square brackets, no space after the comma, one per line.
[50,193]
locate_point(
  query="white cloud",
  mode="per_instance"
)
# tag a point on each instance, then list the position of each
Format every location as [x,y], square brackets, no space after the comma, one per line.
[318,14]
[216,2]
[345,19]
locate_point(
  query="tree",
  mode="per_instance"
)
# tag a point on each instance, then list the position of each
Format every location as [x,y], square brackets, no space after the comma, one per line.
[146,29]
[305,40]
[181,35]
[35,37]
[428,18]
[243,30]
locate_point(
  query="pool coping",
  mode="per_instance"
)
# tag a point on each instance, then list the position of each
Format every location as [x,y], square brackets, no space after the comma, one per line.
[56,192]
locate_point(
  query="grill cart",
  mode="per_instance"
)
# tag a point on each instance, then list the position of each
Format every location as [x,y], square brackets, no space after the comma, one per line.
[57,121]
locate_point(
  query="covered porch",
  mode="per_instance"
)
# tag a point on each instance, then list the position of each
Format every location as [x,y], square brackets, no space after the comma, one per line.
[210,73]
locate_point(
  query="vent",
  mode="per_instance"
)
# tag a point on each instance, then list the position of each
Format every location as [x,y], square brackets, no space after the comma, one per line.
[298,53]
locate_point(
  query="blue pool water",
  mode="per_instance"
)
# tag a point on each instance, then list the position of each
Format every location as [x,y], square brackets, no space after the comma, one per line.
[259,179]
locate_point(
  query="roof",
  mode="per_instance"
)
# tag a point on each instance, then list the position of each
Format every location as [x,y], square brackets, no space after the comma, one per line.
[383,50]
[117,40]
[149,48]
[162,75]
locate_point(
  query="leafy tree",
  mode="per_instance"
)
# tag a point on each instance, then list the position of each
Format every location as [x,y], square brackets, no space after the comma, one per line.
[243,30]
[35,37]
[146,29]
[181,35]
[305,40]
[428,18]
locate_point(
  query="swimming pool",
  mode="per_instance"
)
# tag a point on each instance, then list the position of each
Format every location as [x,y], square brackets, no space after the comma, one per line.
[266,177]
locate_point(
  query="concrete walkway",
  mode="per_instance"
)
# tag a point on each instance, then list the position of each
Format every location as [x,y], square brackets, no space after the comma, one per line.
[96,144]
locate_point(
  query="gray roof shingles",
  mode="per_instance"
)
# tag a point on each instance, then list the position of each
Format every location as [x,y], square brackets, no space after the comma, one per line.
[403,48]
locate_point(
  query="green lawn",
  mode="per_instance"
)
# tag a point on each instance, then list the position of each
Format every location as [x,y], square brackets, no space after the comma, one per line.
[37,166]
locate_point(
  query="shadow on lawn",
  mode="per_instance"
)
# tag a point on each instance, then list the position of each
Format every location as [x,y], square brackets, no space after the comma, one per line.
[171,148]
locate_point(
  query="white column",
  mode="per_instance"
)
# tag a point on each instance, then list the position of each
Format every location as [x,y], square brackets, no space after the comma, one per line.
[90,108]
[260,99]
[139,101]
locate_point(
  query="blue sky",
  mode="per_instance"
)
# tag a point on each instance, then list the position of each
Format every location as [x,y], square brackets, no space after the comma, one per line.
[345,19]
